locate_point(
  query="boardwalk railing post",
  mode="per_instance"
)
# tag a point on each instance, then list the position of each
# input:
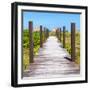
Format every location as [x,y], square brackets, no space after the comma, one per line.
[47,33]
[73,41]
[60,34]
[57,33]
[41,39]
[64,37]
[44,35]
[31,42]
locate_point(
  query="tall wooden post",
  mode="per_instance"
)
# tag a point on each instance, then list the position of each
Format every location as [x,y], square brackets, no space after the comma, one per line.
[73,41]
[47,33]
[41,38]
[56,32]
[64,37]
[60,34]
[44,34]
[31,53]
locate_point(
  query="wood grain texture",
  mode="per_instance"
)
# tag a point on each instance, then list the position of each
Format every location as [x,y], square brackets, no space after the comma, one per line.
[73,41]
[51,62]
[31,42]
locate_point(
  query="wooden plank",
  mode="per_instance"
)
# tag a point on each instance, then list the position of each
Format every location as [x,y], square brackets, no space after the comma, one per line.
[51,62]
[64,37]
[31,42]
[73,41]
[41,36]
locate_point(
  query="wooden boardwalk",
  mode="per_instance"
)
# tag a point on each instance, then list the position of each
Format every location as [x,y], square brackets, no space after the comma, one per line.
[52,62]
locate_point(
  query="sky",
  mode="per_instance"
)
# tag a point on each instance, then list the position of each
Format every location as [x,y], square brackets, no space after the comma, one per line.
[51,20]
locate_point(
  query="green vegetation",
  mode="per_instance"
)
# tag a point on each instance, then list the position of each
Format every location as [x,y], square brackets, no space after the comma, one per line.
[25,39]
[25,58]
[68,44]
[68,41]
[77,47]
[36,43]
[52,33]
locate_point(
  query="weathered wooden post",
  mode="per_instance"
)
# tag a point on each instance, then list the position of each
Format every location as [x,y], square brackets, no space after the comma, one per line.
[44,34]
[60,34]
[41,36]
[73,41]
[64,37]
[31,53]
[56,33]
[47,33]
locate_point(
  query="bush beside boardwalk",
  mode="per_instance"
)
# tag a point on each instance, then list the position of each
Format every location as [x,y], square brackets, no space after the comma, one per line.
[68,44]
[36,43]
[36,37]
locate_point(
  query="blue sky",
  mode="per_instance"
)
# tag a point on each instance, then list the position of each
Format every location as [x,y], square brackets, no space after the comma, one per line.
[50,20]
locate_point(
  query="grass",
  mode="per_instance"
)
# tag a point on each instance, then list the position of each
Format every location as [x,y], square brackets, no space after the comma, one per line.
[77,43]
[36,38]
[25,58]
[36,44]
[52,33]
[68,44]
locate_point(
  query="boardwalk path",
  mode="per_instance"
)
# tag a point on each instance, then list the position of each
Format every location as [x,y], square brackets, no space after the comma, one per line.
[51,62]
